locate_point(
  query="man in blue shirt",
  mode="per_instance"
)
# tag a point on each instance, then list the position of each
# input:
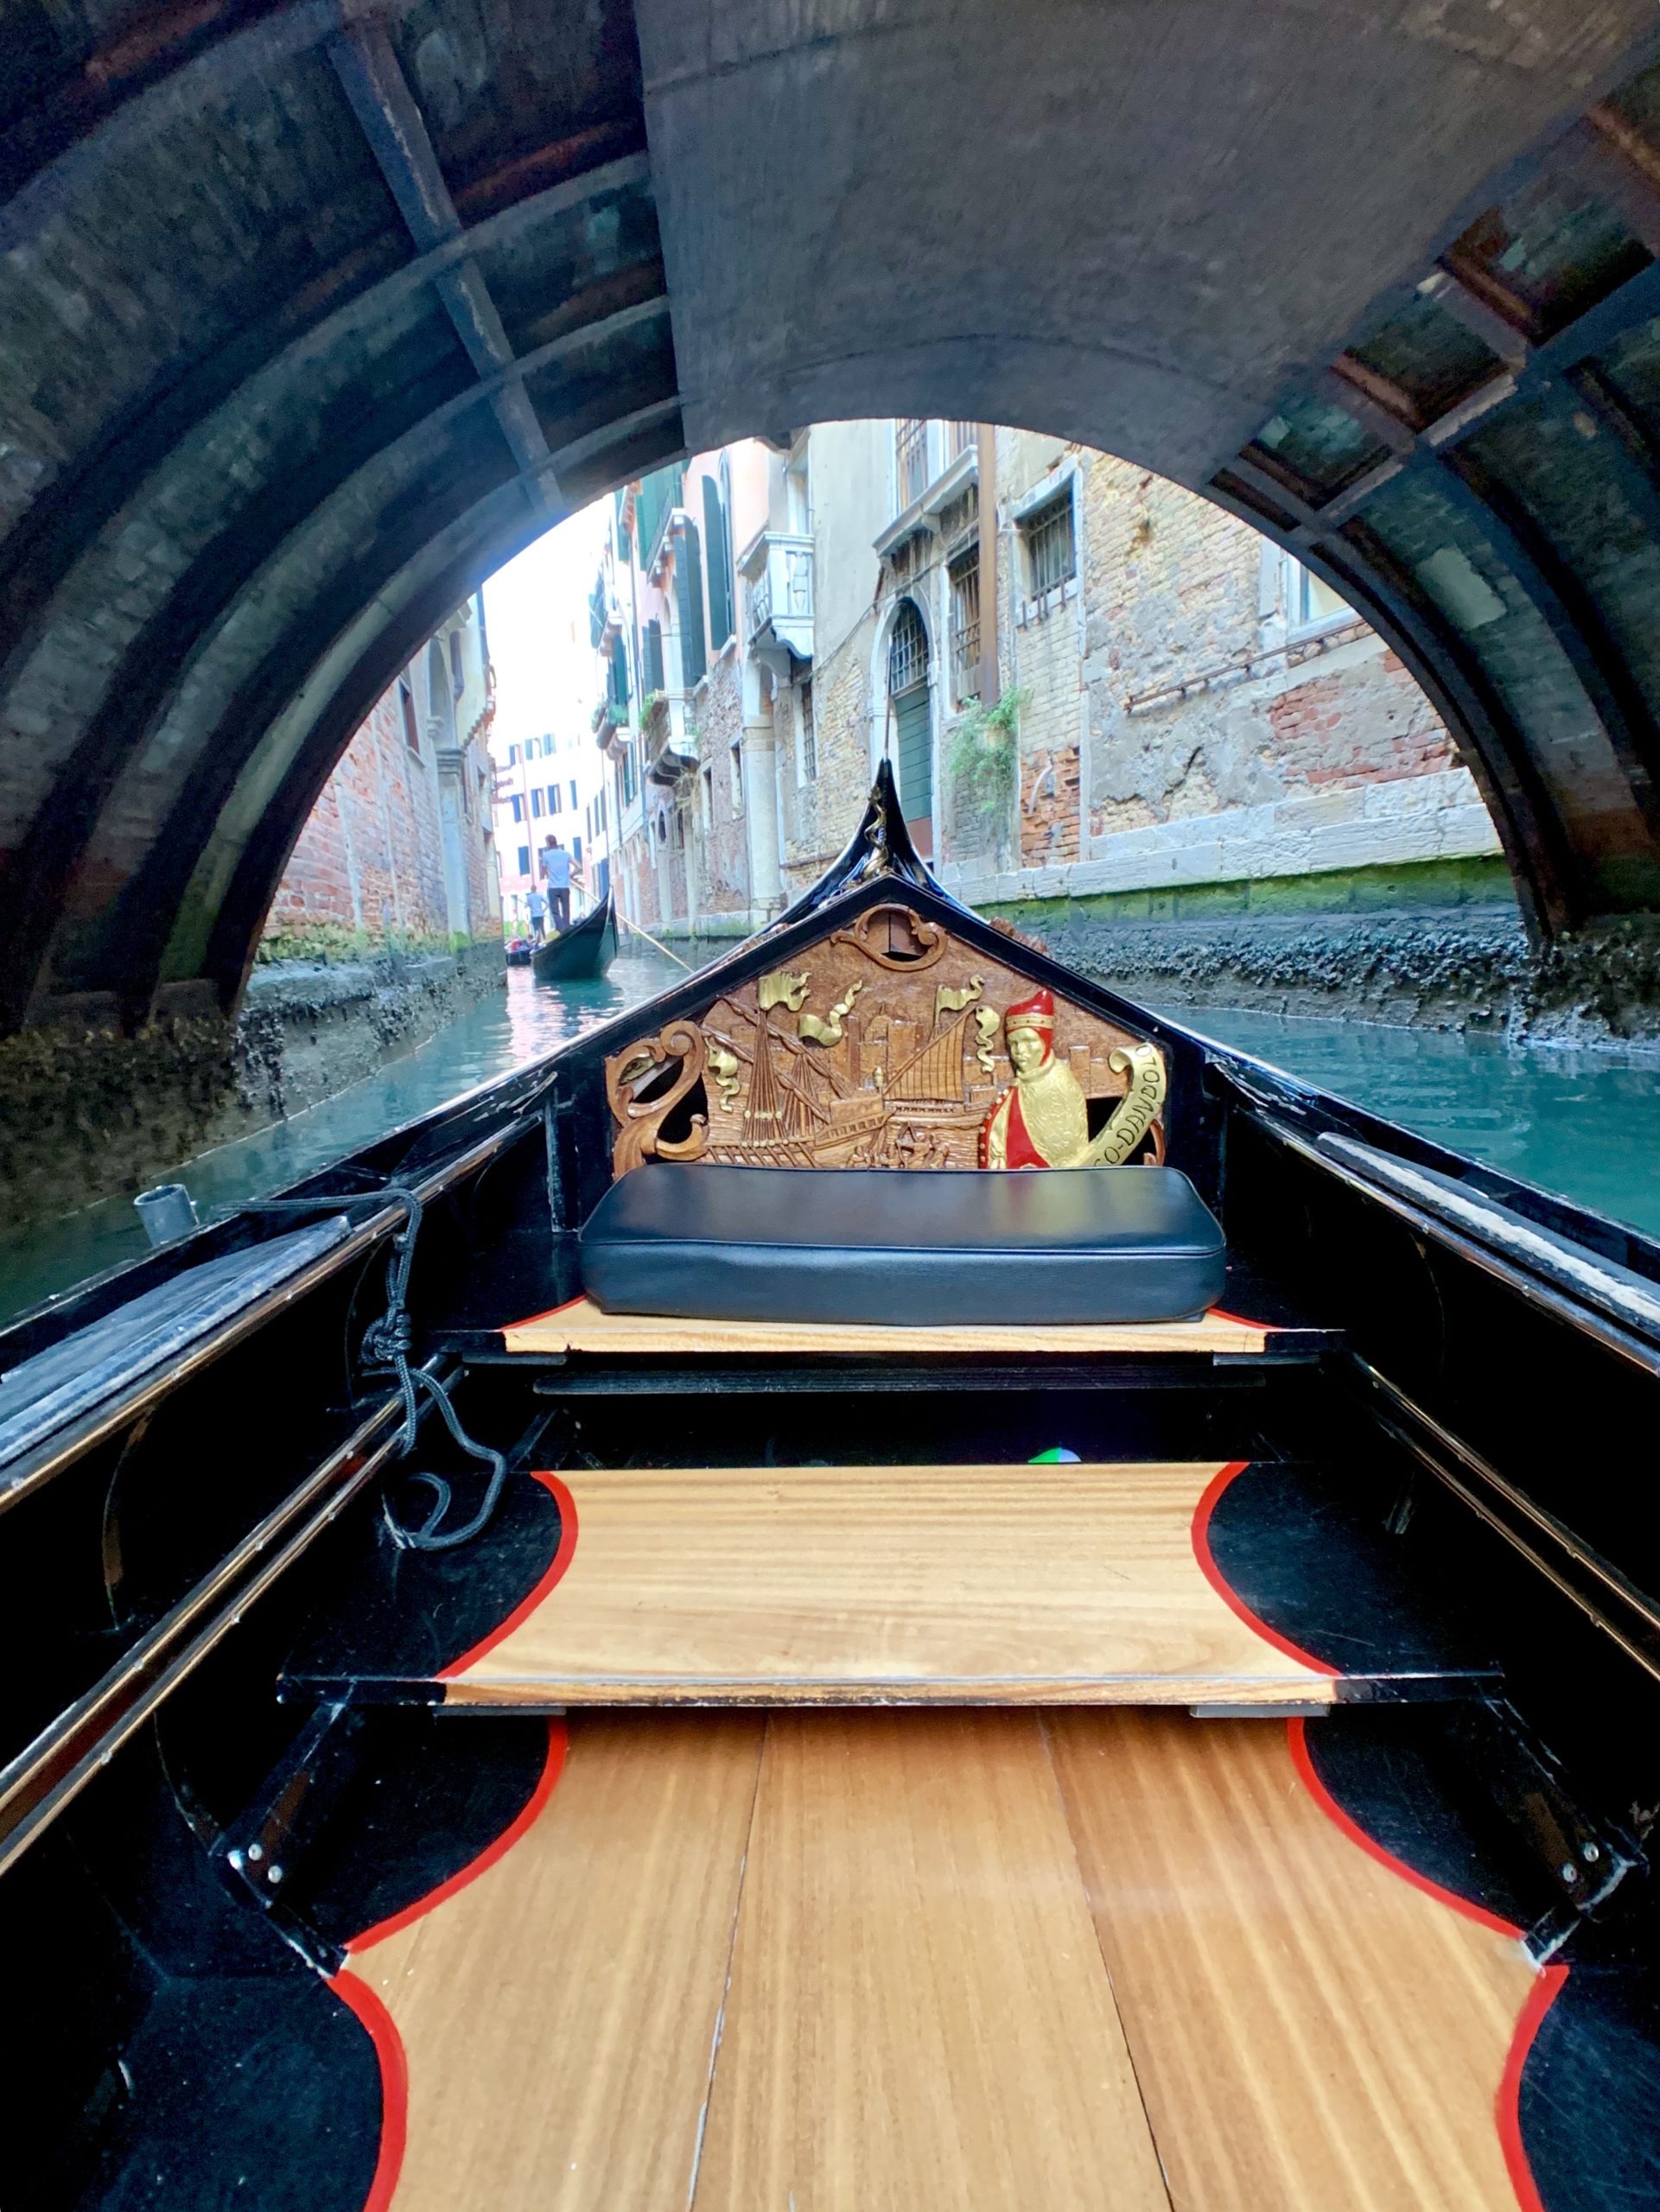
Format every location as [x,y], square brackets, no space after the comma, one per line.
[555,870]
[538,905]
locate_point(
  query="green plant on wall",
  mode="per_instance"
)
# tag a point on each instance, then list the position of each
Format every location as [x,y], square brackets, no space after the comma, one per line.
[984,761]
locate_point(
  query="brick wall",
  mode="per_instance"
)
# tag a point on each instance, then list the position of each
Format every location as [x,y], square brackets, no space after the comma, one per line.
[367,870]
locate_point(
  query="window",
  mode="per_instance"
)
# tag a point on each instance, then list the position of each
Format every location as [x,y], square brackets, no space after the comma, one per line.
[736,754]
[719,565]
[688,602]
[653,658]
[965,626]
[519,807]
[1308,602]
[576,850]
[1051,555]
[512,756]
[406,707]
[959,436]
[554,804]
[626,775]
[547,748]
[575,801]
[523,860]
[457,680]
[616,676]
[911,455]
[809,737]
[536,803]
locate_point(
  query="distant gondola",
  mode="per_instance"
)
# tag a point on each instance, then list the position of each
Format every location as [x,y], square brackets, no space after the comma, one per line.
[1136,1682]
[581,953]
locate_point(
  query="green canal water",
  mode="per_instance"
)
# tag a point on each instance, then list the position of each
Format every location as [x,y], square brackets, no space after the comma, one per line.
[1584,1123]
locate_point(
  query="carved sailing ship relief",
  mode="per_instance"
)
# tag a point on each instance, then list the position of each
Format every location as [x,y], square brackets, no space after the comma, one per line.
[884,1046]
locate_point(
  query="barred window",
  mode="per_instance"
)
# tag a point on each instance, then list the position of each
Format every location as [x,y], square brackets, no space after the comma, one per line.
[965,626]
[911,444]
[1050,553]
[809,738]
[959,436]
[907,650]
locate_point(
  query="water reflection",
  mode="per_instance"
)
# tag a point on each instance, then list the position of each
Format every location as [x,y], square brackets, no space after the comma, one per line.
[1586,1124]
[510,1027]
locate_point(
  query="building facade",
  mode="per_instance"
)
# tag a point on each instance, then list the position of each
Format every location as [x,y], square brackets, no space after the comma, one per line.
[1094,687]
[399,852]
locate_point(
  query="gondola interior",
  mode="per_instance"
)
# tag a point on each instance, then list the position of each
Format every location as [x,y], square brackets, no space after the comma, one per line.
[1016,1721]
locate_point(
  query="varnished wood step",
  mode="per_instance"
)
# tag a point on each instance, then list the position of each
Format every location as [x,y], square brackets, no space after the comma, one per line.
[976,1961]
[1052,1584]
[583,1327]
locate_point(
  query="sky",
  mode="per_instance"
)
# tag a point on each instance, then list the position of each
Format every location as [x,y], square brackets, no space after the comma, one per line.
[536,609]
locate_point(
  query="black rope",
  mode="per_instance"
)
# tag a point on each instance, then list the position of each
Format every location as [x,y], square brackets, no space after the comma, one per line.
[386,1347]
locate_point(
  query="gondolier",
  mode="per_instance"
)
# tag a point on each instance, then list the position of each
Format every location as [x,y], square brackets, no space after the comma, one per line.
[556,875]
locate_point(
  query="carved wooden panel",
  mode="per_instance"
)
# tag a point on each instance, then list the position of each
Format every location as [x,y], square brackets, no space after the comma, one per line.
[883,1045]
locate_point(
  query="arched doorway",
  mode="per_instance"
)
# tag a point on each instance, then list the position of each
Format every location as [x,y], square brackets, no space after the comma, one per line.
[909,734]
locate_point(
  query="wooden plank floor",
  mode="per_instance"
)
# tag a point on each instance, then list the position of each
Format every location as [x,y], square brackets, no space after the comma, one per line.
[883,1961]
[1310,2030]
[581,1326]
[881,1585]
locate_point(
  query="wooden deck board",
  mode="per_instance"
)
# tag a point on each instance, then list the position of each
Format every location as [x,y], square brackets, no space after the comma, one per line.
[559,2013]
[582,1327]
[1311,2032]
[917,2014]
[958,1585]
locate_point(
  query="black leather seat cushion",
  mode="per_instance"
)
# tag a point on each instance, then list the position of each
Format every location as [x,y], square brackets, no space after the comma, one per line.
[912,1248]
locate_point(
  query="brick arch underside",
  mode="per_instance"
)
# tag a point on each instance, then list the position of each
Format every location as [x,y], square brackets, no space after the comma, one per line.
[312,317]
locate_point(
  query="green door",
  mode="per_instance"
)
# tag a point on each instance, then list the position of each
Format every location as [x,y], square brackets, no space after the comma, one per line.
[914,761]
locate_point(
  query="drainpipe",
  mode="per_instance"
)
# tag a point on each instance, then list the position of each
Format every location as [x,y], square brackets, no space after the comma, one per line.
[986,457]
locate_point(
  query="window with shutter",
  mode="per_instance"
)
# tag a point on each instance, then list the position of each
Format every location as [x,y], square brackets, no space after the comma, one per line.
[688,600]
[720,566]
[653,656]
[907,687]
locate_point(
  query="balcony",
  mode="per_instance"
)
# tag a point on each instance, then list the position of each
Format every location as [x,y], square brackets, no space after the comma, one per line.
[778,599]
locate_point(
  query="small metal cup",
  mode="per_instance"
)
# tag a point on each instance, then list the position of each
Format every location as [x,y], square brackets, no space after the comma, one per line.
[167,1213]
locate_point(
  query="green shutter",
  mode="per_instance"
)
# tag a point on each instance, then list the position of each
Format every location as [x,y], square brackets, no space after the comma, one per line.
[653,656]
[913,753]
[689,596]
[720,566]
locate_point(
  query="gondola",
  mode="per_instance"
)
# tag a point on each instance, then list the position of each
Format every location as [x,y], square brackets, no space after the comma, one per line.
[581,953]
[889,1580]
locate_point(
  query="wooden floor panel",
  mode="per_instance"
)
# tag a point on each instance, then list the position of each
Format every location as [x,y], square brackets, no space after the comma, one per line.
[582,1327]
[917,2015]
[968,1961]
[881,1585]
[1312,2033]
[559,2013]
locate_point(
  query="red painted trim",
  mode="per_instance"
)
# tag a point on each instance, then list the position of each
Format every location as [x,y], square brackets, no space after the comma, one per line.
[1334,1813]
[526,1606]
[1221,1313]
[557,1742]
[1223,1588]
[1508,2107]
[530,1319]
[394,2084]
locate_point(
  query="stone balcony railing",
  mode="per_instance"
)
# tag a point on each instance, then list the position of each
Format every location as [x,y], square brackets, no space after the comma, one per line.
[778,595]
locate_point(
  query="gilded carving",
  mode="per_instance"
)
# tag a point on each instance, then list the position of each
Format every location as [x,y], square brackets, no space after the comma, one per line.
[893,1046]
[640,1121]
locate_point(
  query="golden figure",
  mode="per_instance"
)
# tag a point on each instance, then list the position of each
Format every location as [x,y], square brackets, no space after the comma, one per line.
[812,1031]
[1042,1119]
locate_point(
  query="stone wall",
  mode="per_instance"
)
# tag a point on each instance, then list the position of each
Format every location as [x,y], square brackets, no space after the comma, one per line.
[86,1112]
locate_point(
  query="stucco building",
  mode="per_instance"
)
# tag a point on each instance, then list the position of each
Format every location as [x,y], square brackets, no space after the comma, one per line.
[1096,688]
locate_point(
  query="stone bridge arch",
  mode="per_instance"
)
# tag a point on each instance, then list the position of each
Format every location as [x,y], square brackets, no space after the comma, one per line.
[313,313]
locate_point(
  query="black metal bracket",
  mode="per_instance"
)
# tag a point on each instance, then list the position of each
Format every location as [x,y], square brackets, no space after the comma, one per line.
[1583,1859]
[258,1854]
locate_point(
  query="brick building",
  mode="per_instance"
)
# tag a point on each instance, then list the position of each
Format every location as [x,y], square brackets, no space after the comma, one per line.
[1095,687]
[399,852]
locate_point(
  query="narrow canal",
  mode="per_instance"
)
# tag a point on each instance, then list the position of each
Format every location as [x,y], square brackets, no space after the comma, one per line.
[1584,1123]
